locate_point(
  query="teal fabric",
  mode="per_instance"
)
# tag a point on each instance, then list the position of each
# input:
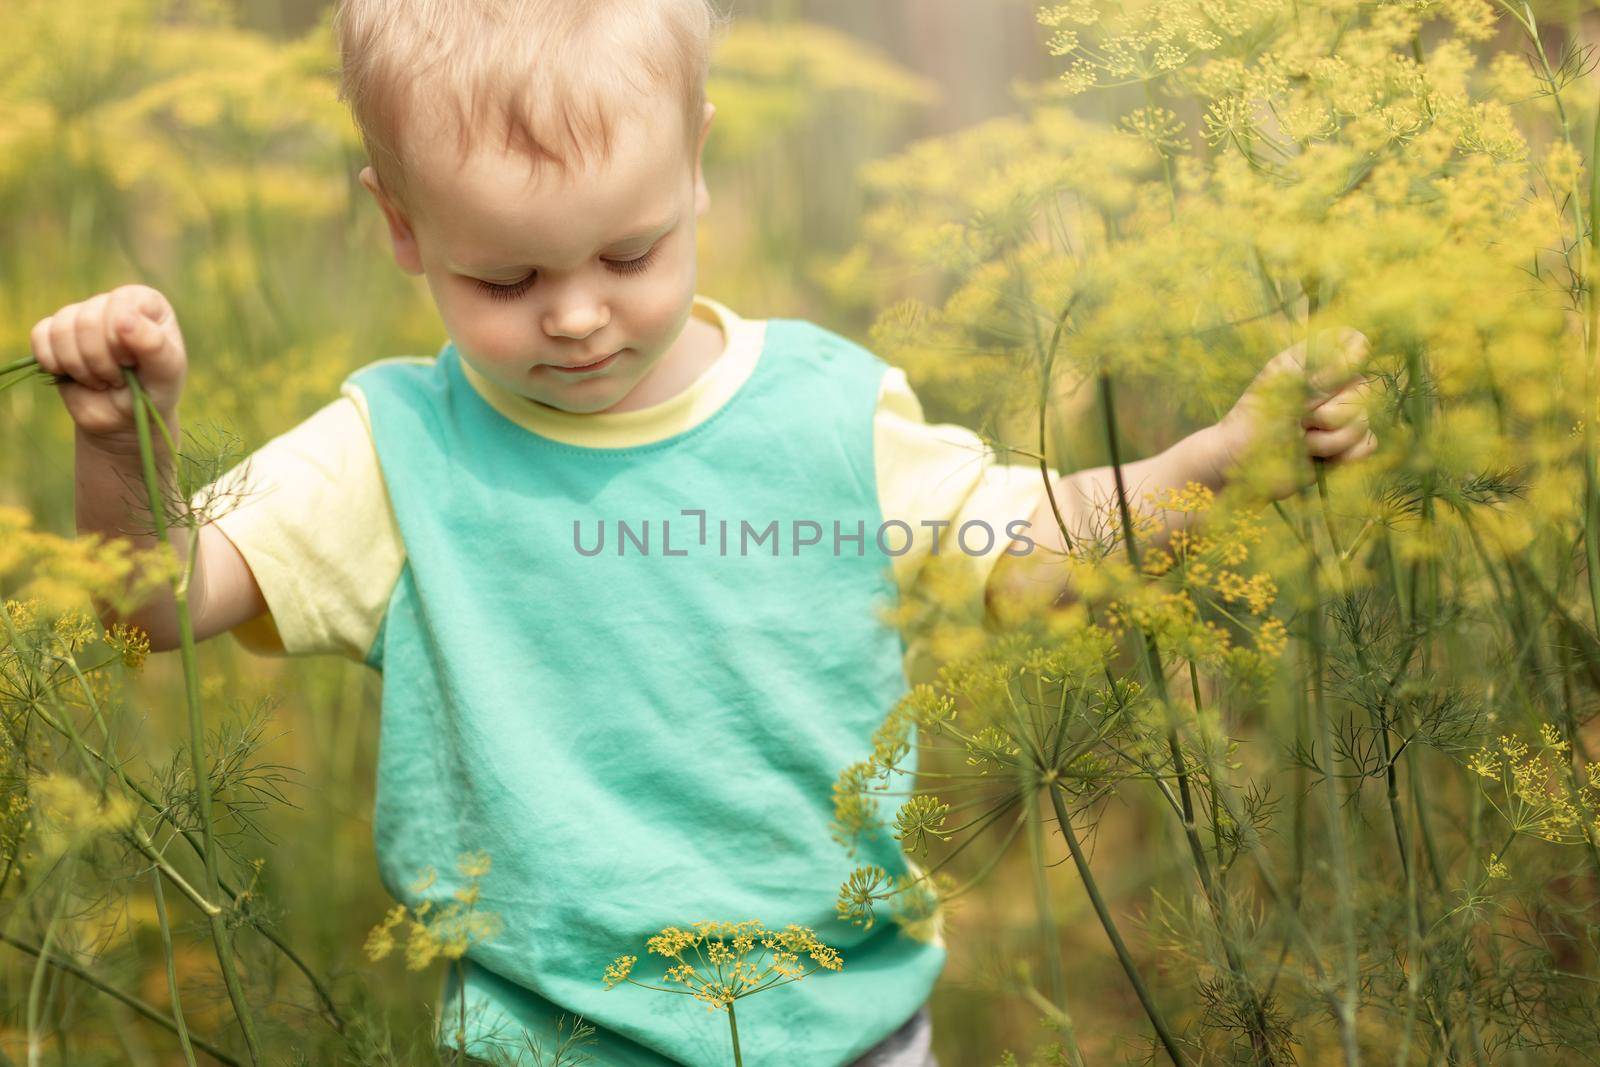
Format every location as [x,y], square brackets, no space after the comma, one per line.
[638,739]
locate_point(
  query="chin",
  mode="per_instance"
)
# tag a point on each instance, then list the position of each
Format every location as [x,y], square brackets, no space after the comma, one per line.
[587,405]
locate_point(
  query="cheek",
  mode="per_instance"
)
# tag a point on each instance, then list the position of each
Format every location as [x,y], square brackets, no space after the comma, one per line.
[494,334]
[658,308]
[500,330]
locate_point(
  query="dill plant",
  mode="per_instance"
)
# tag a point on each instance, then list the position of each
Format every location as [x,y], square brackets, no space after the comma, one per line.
[443,932]
[1364,862]
[736,960]
[54,672]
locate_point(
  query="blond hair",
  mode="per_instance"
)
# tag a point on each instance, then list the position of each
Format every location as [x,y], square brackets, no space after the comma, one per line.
[556,75]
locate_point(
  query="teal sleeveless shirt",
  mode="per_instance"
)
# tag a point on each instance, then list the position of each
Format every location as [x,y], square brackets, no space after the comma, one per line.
[646,735]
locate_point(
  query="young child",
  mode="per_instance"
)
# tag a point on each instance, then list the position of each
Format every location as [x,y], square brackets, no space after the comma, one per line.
[618,552]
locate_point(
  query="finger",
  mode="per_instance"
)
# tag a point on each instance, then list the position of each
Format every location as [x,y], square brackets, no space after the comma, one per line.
[1353,401]
[93,345]
[146,302]
[138,311]
[43,351]
[142,337]
[1360,450]
[1326,443]
[1338,357]
[1285,363]
[64,341]
[1341,409]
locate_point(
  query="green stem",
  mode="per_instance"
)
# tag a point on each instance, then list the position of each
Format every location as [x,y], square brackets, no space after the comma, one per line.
[1155,670]
[1050,940]
[172,970]
[220,934]
[733,1028]
[1129,968]
[1336,842]
[1591,494]
[1418,922]
[36,985]
[461,1010]
[1211,777]
[1061,1019]
[1425,596]
[1047,363]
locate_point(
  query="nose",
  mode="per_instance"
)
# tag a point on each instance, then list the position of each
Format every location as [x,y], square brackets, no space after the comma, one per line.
[576,316]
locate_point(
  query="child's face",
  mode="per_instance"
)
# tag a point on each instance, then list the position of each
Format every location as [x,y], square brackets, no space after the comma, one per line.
[592,266]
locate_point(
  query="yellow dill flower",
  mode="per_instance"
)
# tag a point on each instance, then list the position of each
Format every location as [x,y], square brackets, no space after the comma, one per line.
[670,941]
[74,629]
[68,814]
[854,813]
[130,642]
[864,887]
[1272,638]
[1158,562]
[918,819]
[1083,13]
[421,946]
[474,864]
[23,614]
[433,932]
[380,939]
[424,881]
[1539,794]
[1551,736]
[619,970]
[739,958]
[16,539]
[991,748]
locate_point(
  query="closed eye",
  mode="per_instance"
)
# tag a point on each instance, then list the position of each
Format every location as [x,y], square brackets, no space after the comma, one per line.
[616,266]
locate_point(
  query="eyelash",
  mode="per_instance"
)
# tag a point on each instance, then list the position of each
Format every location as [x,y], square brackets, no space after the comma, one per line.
[617,266]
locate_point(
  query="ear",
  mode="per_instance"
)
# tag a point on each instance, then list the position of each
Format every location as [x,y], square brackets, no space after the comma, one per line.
[702,195]
[406,253]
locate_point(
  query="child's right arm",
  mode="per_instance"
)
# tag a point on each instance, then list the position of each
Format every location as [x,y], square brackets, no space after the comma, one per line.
[90,342]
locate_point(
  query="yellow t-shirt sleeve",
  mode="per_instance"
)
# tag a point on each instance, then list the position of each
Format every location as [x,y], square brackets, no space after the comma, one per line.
[944,473]
[309,513]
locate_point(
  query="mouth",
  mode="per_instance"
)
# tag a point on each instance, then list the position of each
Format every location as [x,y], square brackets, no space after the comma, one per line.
[586,368]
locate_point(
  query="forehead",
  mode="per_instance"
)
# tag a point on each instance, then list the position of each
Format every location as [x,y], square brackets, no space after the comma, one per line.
[493,210]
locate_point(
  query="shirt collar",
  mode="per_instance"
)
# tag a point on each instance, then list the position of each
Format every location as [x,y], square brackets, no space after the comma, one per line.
[741,346]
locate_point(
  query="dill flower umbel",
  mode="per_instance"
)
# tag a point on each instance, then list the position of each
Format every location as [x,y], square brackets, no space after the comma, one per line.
[67,813]
[433,932]
[130,643]
[736,959]
[1539,793]
[62,573]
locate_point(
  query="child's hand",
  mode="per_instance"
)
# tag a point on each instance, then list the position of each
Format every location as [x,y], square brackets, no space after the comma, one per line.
[1333,426]
[90,342]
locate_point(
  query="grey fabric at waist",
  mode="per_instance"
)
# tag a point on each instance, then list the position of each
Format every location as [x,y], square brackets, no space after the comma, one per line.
[909,1046]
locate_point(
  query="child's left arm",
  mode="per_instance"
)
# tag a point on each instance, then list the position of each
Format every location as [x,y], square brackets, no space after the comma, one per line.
[1333,428]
